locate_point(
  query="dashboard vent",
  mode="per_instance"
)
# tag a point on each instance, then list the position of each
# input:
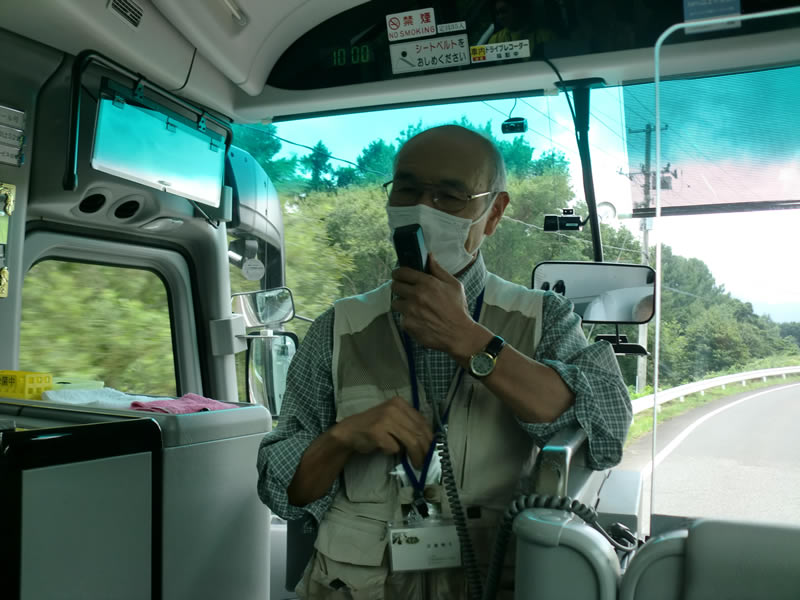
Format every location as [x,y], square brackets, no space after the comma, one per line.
[128,10]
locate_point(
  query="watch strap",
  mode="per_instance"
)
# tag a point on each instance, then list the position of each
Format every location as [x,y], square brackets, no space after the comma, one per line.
[494,347]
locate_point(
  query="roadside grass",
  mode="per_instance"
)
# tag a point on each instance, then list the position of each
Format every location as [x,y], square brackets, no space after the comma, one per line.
[643,422]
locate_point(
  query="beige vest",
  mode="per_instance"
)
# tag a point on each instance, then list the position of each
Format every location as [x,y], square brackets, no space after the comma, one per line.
[490,452]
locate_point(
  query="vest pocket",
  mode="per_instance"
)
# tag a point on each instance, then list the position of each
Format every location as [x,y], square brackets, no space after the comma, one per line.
[352,539]
[366,476]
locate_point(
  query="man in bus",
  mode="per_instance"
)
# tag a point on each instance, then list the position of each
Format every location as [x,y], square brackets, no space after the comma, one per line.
[505,367]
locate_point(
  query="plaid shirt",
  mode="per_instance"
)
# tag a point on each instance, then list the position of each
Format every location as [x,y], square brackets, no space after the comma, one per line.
[602,406]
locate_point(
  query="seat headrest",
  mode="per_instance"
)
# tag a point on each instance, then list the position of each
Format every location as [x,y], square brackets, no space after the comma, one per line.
[741,561]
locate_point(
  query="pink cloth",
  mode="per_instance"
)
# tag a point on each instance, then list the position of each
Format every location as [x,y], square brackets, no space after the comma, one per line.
[188,403]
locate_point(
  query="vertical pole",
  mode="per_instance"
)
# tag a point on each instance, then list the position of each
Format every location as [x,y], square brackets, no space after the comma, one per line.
[641,361]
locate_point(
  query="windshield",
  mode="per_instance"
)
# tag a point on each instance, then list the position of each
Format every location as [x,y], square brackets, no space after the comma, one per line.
[329,172]
[731,303]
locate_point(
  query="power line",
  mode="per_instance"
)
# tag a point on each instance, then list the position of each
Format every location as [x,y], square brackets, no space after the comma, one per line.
[569,237]
[700,153]
[331,156]
[599,120]
[570,129]
[494,108]
[548,138]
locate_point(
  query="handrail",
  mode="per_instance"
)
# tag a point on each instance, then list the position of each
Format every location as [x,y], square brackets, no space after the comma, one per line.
[551,471]
[646,402]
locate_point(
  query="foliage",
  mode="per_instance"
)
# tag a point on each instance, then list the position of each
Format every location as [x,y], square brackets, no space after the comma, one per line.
[376,162]
[318,166]
[703,329]
[791,331]
[103,323]
[113,324]
[313,267]
[263,145]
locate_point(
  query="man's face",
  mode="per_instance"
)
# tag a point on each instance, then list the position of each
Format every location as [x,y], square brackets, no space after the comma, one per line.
[453,158]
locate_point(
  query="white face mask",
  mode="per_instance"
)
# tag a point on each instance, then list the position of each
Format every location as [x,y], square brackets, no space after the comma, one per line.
[445,235]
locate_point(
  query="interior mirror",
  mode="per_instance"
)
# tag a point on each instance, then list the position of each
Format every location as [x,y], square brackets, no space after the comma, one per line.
[265,307]
[148,147]
[601,292]
[267,364]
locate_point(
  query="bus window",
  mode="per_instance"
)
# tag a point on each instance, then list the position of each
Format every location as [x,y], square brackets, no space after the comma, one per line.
[725,172]
[98,323]
[716,321]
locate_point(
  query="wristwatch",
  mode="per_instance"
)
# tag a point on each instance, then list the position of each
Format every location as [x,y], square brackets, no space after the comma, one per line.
[482,363]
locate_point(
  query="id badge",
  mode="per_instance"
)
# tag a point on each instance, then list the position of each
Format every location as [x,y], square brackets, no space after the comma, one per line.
[422,545]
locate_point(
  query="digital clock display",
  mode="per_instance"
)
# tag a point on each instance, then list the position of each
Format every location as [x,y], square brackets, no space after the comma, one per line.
[352,55]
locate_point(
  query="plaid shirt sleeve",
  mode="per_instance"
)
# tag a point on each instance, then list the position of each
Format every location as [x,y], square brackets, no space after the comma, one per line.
[602,406]
[308,410]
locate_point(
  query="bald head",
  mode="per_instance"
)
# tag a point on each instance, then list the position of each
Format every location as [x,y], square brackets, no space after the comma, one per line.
[458,149]
[464,162]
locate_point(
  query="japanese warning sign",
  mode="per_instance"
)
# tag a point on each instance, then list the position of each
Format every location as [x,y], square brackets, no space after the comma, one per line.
[436,53]
[501,51]
[412,24]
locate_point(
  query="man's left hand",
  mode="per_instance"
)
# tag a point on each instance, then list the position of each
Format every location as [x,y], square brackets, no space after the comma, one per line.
[434,307]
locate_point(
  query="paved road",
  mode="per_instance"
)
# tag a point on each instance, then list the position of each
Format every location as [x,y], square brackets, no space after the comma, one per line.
[735,458]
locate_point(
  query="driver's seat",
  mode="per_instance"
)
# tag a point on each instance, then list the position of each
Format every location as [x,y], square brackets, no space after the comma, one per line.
[729,560]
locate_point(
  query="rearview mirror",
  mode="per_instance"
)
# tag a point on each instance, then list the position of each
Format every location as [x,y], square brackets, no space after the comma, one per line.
[146,146]
[267,365]
[601,292]
[265,307]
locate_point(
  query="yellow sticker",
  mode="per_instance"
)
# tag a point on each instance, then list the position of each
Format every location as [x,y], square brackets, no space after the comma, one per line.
[477,53]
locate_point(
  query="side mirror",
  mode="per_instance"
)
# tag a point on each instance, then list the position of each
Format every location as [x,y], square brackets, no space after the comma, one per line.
[268,359]
[264,308]
[268,351]
[601,292]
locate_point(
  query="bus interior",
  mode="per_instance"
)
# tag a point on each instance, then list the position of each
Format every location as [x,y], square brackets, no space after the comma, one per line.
[186,184]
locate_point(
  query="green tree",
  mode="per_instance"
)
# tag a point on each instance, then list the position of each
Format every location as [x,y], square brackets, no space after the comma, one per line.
[318,166]
[357,226]
[792,331]
[409,132]
[376,162]
[105,323]
[314,268]
[262,144]
[347,176]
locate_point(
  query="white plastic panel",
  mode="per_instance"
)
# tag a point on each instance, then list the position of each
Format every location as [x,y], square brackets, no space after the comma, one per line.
[246,53]
[154,48]
[216,530]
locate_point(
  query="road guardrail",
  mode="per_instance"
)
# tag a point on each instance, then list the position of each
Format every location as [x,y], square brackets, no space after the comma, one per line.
[680,392]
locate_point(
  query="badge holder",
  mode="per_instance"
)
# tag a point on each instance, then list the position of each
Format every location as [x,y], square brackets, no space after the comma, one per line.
[423,541]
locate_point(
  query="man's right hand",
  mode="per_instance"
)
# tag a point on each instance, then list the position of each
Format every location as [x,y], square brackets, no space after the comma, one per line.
[388,427]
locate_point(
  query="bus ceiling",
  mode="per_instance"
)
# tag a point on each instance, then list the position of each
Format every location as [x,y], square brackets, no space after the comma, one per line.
[251,60]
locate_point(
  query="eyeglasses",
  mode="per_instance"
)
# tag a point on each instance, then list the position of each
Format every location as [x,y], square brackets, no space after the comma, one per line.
[445,198]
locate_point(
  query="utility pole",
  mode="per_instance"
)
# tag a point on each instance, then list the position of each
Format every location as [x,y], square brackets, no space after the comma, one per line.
[646,226]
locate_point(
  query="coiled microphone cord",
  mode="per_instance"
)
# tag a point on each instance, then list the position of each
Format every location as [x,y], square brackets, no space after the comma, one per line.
[467,552]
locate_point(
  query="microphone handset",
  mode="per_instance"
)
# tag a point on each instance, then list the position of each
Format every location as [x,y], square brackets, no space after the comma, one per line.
[409,244]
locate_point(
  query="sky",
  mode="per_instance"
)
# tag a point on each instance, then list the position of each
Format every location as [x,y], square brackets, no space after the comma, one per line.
[727,139]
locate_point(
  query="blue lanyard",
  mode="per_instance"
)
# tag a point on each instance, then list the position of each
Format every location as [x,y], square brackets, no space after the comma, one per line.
[419,484]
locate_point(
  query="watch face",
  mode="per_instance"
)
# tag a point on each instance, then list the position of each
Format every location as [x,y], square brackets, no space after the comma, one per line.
[481,364]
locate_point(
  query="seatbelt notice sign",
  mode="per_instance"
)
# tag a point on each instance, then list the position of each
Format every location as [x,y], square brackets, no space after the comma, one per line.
[410,24]
[435,53]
